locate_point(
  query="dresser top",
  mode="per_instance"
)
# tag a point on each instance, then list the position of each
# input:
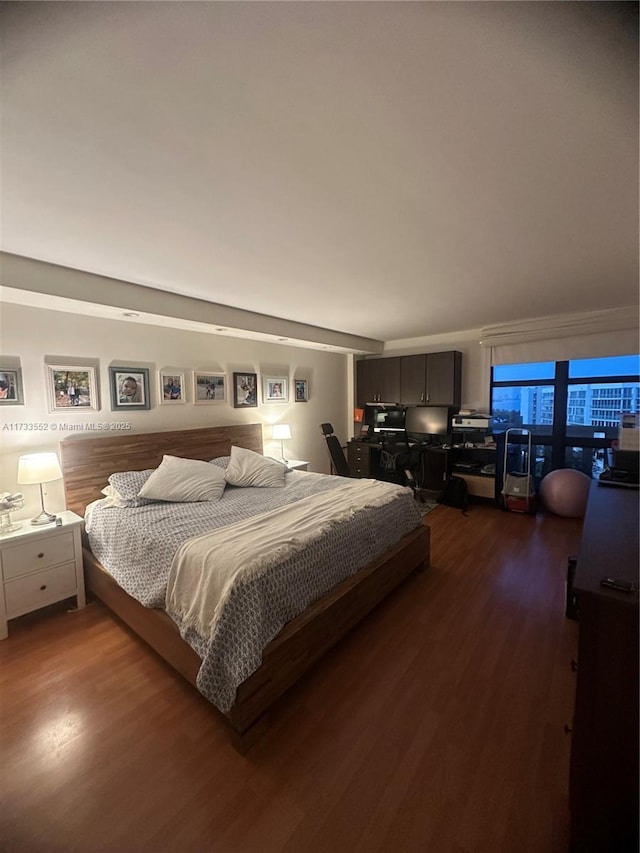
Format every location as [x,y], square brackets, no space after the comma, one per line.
[610,542]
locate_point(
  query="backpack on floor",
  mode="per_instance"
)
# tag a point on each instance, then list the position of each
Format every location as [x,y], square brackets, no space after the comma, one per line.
[456,493]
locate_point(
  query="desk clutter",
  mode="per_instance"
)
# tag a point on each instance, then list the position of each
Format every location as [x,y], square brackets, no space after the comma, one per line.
[425,467]
[424,446]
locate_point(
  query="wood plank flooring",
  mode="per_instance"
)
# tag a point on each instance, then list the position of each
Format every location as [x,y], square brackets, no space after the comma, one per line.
[437,726]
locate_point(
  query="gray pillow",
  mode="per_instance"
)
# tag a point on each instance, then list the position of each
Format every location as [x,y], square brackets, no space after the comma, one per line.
[128,484]
[247,468]
[220,461]
[184,481]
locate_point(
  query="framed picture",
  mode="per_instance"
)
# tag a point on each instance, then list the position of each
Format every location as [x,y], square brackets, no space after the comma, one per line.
[72,388]
[245,390]
[275,389]
[172,388]
[209,387]
[301,393]
[129,388]
[11,393]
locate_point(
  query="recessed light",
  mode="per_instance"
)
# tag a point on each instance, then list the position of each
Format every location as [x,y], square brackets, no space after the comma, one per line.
[130,314]
[220,329]
[283,339]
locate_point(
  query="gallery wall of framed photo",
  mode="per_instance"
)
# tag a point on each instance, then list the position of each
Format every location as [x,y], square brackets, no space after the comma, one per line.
[61,374]
[74,388]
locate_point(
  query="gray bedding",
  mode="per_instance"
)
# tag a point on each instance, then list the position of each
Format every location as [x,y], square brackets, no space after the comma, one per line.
[137,544]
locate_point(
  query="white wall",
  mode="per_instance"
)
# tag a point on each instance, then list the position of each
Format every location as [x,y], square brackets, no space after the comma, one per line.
[33,334]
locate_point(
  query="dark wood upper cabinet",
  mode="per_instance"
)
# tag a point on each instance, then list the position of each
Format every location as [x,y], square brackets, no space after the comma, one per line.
[413,373]
[433,378]
[378,380]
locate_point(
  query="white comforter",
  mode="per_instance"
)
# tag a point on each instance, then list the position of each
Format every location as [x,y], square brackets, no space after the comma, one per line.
[206,567]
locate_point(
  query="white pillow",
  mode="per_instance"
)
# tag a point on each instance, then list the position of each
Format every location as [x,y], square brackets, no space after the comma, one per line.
[184,480]
[247,468]
[112,497]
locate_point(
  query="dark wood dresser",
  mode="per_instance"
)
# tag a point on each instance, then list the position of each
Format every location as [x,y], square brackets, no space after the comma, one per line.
[604,753]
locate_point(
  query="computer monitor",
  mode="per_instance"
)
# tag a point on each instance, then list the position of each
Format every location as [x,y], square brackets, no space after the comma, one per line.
[428,421]
[388,419]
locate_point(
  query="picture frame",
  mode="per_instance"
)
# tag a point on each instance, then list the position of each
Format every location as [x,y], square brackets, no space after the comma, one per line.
[129,388]
[209,387]
[72,388]
[275,389]
[301,390]
[245,390]
[172,387]
[11,390]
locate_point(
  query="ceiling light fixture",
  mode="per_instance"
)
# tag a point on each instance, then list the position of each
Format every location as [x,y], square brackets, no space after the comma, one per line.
[130,314]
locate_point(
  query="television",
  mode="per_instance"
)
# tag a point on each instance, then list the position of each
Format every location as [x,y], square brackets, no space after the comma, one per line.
[388,419]
[428,421]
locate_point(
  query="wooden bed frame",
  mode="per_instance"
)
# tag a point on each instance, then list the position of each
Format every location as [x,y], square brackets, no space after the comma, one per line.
[88,462]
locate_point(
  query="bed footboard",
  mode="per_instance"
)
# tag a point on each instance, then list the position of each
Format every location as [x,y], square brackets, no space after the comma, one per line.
[300,643]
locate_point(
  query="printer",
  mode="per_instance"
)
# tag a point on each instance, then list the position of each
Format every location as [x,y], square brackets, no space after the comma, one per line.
[470,422]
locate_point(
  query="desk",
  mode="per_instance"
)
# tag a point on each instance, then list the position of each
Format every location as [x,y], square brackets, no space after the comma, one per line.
[364,458]
[604,749]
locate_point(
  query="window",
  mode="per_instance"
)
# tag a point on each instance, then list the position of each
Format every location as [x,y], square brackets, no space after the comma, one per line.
[573,408]
[594,401]
[530,403]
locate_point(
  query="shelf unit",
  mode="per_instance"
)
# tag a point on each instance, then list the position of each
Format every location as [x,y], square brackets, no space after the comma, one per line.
[469,462]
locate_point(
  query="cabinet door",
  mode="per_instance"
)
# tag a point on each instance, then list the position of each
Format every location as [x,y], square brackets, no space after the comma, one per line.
[443,378]
[378,380]
[389,380]
[413,373]
[366,382]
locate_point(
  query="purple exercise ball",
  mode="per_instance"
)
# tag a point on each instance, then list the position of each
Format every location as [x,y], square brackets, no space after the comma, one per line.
[565,492]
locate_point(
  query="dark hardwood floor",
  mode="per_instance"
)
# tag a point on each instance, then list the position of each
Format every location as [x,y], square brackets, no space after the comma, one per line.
[437,726]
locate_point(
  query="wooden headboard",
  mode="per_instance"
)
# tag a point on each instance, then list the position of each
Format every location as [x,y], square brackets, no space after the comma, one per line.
[88,462]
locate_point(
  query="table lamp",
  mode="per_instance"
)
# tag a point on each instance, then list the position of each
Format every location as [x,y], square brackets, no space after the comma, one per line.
[281,432]
[39,468]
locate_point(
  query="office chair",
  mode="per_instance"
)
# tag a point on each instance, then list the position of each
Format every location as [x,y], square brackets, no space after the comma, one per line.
[339,462]
[401,461]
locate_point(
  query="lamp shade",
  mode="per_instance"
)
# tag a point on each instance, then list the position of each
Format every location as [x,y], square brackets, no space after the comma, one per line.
[37,468]
[281,431]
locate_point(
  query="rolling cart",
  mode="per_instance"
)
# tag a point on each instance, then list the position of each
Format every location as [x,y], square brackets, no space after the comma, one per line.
[518,493]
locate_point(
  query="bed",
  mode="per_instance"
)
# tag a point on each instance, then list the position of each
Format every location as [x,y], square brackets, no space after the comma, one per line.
[87,465]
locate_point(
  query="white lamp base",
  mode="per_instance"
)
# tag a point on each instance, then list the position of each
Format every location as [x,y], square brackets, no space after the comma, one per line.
[44,518]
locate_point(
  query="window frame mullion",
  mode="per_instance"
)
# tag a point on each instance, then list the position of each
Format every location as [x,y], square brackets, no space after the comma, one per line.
[561,393]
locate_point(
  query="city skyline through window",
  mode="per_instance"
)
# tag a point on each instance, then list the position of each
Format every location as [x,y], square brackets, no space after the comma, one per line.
[573,408]
[597,403]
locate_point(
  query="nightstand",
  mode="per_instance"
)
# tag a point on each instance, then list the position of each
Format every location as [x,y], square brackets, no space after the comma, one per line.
[40,565]
[297,464]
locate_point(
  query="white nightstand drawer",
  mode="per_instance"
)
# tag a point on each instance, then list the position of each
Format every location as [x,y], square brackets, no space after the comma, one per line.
[29,556]
[37,590]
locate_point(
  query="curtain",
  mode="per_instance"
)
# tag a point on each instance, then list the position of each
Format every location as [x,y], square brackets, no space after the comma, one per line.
[596,334]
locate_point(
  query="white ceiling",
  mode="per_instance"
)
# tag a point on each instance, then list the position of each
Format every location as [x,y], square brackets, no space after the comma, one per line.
[387,169]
